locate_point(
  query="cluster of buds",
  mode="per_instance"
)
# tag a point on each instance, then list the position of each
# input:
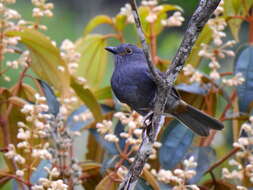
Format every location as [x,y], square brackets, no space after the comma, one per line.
[70,55]
[127,11]
[179,177]
[195,75]
[40,125]
[49,183]
[21,61]
[9,20]
[42,8]
[219,49]
[16,158]
[175,20]
[133,131]
[213,53]
[243,170]
[105,128]
[238,79]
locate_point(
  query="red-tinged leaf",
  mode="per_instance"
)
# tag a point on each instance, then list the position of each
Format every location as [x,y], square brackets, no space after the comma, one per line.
[91,175]
[107,183]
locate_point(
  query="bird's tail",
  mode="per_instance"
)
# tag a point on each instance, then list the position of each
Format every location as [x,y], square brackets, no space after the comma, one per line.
[198,121]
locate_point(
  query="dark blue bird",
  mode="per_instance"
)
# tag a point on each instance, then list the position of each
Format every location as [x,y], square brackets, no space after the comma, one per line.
[133,84]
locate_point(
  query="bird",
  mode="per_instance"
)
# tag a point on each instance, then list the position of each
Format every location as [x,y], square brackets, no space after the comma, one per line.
[133,84]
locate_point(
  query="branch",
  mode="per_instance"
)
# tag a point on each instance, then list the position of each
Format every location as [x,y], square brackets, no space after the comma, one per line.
[150,132]
[145,47]
[196,24]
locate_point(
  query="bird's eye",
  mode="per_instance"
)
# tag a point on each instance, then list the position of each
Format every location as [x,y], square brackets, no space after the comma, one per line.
[129,51]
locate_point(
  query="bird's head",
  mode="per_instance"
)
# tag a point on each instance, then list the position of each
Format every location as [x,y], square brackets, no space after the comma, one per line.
[126,52]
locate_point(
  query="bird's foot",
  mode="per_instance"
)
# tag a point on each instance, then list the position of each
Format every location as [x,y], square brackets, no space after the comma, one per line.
[147,120]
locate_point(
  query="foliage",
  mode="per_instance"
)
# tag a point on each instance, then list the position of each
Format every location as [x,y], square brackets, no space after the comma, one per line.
[68,97]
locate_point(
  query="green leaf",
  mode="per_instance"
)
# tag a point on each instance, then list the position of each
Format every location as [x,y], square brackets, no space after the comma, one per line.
[93,61]
[144,11]
[244,65]
[103,93]
[96,21]
[120,22]
[204,37]
[88,98]
[236,8]
[45,58]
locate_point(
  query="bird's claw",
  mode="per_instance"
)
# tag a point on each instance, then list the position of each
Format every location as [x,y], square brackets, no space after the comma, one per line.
[147,120]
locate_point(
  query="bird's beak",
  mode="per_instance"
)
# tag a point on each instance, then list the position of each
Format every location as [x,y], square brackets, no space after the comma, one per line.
[111,49]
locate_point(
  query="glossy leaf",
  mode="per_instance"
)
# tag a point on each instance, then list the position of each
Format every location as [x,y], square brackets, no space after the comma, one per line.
[96,21]
[204,37]
[45,58]
[52,102]
[244,65]
[88,98]
[175,141]
[103,93]
[107,183]
[93,60]
[109,146]
[204,156]
[40,172]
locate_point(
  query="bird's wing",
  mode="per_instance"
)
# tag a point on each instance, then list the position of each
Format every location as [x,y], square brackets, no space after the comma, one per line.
[174,91]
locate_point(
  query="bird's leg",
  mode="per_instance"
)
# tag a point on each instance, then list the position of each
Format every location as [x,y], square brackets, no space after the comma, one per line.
[147,120]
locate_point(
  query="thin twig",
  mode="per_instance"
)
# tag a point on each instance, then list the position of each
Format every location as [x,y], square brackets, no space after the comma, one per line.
[216,164]
[145,47]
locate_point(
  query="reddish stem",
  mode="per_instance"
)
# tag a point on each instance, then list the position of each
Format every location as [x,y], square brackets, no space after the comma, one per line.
[209,139]
[216,164]
[250,21]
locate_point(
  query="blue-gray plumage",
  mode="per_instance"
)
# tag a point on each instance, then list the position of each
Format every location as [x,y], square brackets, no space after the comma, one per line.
[133,84]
